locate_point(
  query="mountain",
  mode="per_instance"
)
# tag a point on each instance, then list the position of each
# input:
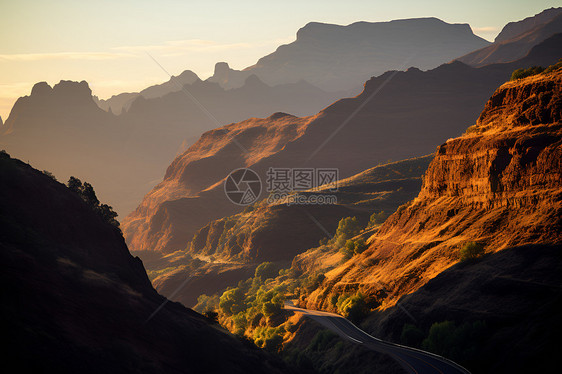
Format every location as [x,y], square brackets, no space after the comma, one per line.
[123,101]
[228,250]
[335,57]
[61,129]
[117,104]
[72,101]
[227,77]
[214,106]
[75,300]
[498,185]
[517,38]
[514,29]
[399,115]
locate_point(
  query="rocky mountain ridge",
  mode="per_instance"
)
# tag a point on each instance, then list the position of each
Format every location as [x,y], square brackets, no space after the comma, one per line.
[335,57]
[433,106]
[517,38]
[498,185]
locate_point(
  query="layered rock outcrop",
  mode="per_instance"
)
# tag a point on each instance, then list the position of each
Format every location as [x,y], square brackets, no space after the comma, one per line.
[500,185]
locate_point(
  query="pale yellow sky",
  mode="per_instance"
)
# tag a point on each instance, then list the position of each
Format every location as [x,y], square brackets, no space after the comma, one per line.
[122,69]
[106,42]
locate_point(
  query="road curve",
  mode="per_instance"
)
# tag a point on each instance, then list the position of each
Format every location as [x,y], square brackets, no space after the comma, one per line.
[413,360]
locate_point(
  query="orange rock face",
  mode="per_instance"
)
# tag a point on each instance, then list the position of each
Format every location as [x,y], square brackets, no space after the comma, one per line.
[499,185]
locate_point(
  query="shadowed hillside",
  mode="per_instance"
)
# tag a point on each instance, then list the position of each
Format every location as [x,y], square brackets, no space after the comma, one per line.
[75,300]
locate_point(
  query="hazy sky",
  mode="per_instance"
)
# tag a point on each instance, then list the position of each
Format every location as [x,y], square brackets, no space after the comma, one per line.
[105,42]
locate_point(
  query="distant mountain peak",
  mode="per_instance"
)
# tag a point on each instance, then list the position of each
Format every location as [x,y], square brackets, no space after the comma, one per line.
[64,90]
[517,39]
[64,99]
[71,87]
[254,81]
[221,67]
[279,115]
[512,29]
[40,89]
[312,28]
[187,74]
[413,69]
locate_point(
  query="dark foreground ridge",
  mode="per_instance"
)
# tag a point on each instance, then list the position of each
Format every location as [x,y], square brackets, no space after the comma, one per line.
[75,300]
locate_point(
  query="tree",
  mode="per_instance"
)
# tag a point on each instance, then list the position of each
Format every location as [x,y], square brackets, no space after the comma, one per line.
[206,303]
[108,214]
[471,251]
[440,337]
[313,281]
[240,323]
[377,218]
[347,228]
[360,246]
[49,174]
[270,308]
[353,307]
[86,192]
[460,343]
[232,302]
[554,67]
[89,195]
[411,335]
[353,247]
[524,73]
[75,185]
[266,270]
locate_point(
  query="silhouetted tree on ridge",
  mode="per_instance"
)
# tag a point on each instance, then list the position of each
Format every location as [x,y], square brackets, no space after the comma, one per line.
[86,192]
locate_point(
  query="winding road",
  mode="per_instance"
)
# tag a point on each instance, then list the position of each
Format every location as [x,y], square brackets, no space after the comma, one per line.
[413,360]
